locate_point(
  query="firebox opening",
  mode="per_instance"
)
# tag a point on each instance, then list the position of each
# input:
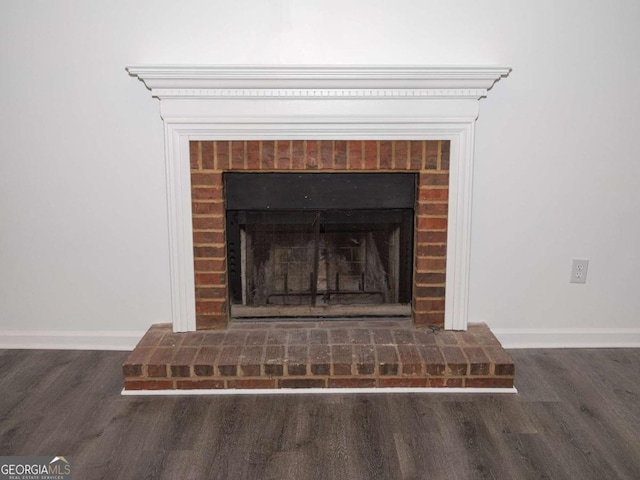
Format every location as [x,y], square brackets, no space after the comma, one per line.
[319,244]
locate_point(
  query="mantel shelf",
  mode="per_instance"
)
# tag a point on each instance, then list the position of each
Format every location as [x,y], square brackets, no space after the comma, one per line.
[318,81]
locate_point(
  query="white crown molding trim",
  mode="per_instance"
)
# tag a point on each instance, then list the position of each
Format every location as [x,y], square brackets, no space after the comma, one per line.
[246,78]
[320,94]
[568,337]
[69,340]
[360,103]
[320,391]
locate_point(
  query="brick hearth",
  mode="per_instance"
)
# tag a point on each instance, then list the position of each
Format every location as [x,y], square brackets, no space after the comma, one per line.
[272,355]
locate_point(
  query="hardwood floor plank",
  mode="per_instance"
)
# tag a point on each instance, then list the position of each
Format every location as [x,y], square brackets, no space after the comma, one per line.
[416,420]
[336,439]
[534,455]
[406,457]
[369,420]
[533,385]
[505,414]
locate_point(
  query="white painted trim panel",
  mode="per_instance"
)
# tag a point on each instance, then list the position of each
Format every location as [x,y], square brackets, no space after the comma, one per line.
[459,218]
[317,391]
[183,304]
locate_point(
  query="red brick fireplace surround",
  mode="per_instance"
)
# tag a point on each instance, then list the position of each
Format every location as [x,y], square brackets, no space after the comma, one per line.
[210,159]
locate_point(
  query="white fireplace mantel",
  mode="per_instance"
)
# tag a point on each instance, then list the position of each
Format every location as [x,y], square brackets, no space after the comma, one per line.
[318,102]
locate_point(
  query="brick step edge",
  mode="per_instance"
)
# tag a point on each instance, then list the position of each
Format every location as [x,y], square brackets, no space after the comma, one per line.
[318,382]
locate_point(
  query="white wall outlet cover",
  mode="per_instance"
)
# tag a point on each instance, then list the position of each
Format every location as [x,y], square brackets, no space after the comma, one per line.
[579,270]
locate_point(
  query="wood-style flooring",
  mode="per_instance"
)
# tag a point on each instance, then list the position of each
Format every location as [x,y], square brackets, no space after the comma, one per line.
[576,416]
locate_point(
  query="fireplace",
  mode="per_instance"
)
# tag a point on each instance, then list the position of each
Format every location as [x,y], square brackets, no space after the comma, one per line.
[318,244]
[222,120]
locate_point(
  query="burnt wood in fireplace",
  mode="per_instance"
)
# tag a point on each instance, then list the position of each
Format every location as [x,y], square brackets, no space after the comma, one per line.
[319,240]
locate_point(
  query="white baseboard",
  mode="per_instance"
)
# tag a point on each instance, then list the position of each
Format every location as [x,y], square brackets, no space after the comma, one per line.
[568,337]
[68,340]
[316,391]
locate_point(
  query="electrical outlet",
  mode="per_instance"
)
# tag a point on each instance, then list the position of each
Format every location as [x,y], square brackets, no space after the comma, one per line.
[579,271]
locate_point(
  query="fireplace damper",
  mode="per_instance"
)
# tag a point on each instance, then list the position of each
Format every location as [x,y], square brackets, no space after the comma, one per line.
[319,244]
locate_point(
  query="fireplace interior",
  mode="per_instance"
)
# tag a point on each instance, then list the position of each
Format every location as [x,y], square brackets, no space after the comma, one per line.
[319,244]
